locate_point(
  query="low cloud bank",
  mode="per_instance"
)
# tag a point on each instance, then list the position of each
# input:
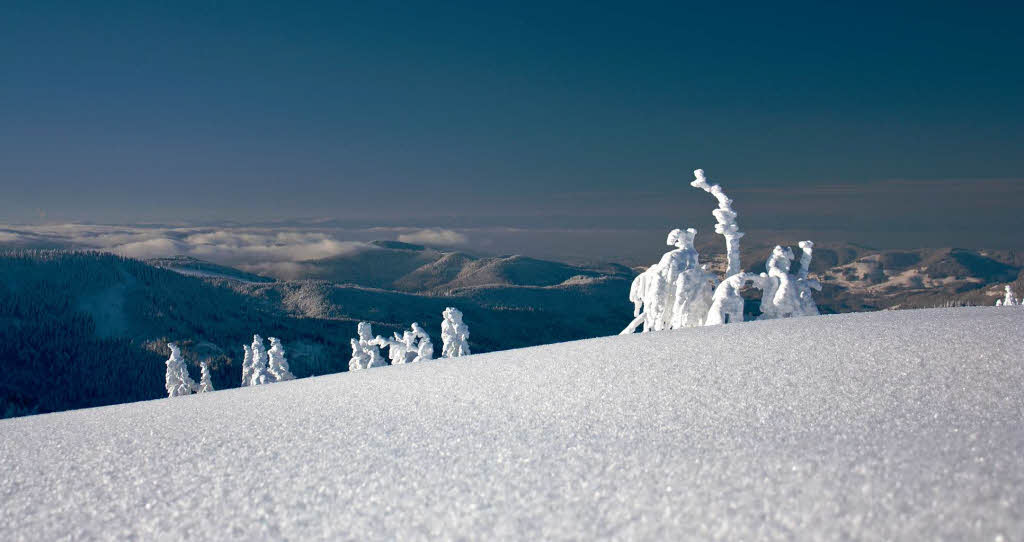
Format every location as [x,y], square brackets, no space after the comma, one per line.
[266,250]
[434,237]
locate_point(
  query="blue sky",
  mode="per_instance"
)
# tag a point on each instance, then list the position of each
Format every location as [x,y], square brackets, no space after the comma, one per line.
[244,111]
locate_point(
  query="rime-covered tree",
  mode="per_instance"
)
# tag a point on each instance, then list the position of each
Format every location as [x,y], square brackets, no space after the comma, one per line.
[247,365]
[454,334]
[411,346]
[259,362]
[205,384]
[365,349]
[424,348]
[675,292]
[1009,299]
[277,368]
[679,292]
[176,379]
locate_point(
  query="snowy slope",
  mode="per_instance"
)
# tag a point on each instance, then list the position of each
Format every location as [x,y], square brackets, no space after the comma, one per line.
[893,425]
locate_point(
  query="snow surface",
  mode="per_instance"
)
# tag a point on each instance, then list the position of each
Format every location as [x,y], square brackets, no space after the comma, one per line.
[893,425]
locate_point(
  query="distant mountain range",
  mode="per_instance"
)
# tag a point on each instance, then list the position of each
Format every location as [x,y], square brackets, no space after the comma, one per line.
[84,329]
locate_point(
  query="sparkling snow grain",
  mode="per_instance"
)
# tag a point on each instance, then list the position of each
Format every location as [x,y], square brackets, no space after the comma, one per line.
[895,425]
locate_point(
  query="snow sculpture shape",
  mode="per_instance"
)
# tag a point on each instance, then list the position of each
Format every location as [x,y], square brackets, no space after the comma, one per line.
[1010,299]
[278,365]
[726,217]
[259,362]
[176,379]
[247,365]
[675,292]
[205,384]
[365,349]
[454,334]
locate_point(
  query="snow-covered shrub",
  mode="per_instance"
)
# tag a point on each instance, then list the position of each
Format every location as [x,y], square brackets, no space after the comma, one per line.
[176,379]
[247,365]
[454,334]
[277,368]
[205,384]
[259,362]
[365,350]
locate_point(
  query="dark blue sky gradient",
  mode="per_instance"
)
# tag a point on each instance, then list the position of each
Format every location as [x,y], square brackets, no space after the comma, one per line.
[245,111]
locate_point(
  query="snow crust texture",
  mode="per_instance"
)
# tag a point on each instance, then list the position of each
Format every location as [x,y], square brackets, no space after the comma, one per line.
[901,425]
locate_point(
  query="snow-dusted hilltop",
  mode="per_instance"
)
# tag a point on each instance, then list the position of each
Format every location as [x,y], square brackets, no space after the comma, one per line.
[901,425]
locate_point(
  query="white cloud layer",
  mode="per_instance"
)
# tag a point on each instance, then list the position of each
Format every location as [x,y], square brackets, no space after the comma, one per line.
[257,248]
[434,237]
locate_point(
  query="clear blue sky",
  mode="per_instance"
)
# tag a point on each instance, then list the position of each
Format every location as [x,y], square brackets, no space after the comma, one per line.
[127,111]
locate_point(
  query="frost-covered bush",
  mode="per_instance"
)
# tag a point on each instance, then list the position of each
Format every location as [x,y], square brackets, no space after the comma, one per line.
[176,379]
[679,292]
[454,334]
[205,384]
[365,350]
[277,368]
[259,362]
[247,365]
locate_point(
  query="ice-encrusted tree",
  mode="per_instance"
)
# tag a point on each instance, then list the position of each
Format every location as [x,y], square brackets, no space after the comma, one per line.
[726,217]
[205,384]
[247,365]
[679,292]
[1009,299]
[424,348]
[454,334]
[785,295]
[365,349]
[675,292]
[259,362]
[176,379]
[277,368]
[411,346]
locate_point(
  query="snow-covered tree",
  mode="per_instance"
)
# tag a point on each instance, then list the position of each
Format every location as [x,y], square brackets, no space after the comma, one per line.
[424,348]
[411,346]
[679,292]
[454,334]
[176,379]
[675,292]
[727,303]
[205,384]
[365,349]
[247,365]
[277,368]
[1010,299]
[259,362]
[726,217]
[785,295]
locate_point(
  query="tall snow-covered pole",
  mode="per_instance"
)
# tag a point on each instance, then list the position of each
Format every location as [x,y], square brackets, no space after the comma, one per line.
[726,217]
[805,259]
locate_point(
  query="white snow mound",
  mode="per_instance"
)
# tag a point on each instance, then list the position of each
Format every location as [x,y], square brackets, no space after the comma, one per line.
[893,425]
